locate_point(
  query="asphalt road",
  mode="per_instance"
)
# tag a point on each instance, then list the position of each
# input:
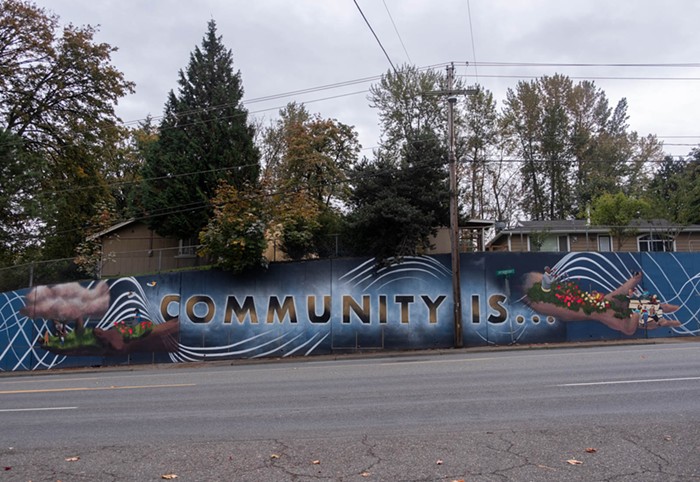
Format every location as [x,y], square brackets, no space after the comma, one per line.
[618,413]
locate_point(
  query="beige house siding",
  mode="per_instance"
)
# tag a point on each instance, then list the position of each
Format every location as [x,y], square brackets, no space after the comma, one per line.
[590,241]
[688,242]
[135,249]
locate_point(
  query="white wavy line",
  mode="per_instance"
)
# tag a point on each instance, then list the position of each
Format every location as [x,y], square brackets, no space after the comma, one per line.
[301,346]
[314,347]
[260,355]
[394,280]
[226,347]
[361,268]
[393,273]
[190,350]
[430,265]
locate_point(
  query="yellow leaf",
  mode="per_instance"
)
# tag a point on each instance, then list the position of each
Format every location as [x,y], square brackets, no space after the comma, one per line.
[72,459]
[574,462]
[169,476]
[274,456]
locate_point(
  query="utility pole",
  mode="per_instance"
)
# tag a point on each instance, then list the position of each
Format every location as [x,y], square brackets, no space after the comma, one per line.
[454,211]
[451,93]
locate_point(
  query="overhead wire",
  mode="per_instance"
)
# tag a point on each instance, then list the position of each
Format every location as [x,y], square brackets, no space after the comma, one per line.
[397,31]
[471,33]
[376,38]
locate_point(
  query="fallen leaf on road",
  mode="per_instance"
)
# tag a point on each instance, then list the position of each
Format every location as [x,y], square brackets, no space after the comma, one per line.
[72,459]
[274,456]
[316,462]
[591,450]
[667,438]
[365,474]
[8,468]
[439,462]
[169,476]
[574,462]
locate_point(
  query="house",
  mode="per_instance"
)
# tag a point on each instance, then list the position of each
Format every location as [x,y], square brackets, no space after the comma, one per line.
[580,235]
[473,235]
[131,248]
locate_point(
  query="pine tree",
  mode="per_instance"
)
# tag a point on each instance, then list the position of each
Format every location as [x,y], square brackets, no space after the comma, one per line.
[204,138]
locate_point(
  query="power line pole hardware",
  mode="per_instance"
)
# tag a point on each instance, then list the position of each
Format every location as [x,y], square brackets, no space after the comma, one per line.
[451,93]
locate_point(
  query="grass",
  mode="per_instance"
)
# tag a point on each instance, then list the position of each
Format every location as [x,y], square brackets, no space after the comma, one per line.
[74,340]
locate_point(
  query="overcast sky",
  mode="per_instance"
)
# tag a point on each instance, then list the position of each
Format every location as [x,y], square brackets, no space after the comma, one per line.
[283,46]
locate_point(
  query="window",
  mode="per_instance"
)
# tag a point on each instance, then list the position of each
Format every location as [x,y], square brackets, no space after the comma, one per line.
[655,242]
[187,247]
[549,243]
[604,243]
[564,243]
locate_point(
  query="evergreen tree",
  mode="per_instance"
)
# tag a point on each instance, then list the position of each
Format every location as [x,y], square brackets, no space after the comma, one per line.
[204,138]
[397,207]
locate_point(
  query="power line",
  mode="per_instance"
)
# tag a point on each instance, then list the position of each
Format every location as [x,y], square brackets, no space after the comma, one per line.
[471,33]
[397,31]
[375,36]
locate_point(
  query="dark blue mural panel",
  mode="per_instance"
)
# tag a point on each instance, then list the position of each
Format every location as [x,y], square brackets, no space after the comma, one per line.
[405,305]
[508,318]
[323,306]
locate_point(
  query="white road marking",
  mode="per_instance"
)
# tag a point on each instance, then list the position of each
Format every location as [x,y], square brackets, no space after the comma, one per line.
[620,382]
[36,409]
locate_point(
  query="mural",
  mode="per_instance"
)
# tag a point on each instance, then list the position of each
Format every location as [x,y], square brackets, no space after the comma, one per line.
[328,306]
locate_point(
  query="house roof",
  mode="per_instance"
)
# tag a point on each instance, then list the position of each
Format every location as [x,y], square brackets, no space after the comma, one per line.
[111,229]
[578,226]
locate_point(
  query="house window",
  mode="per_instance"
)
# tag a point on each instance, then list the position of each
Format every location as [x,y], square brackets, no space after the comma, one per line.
[549,243]
[564,243]
[655,242]
[604,243]
[187,247]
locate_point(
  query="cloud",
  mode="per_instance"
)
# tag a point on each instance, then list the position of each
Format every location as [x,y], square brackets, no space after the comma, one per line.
[68,301]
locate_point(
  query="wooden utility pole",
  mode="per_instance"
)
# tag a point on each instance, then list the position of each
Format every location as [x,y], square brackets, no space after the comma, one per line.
[454,211]
[451,93]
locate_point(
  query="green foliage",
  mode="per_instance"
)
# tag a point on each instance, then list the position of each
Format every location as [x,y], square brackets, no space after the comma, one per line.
[57,94]
[298,239]
[307,160]
[204,138]
[573,147]
[617,211]
[20,174]
[675,190]
[569,295]
[74,340]
[133,332]
[396,208]
[408,105]
[234,238]
[89,256]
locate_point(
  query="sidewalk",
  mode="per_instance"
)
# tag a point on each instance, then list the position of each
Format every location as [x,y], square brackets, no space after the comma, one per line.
[368,353]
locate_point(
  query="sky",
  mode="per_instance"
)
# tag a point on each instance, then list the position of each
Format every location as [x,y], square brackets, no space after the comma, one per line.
[646,51]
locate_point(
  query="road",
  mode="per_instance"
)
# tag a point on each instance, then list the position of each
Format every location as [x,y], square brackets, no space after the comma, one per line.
[622,413]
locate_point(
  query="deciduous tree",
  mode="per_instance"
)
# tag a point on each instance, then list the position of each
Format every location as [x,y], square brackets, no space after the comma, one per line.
[58,90]
[306,168]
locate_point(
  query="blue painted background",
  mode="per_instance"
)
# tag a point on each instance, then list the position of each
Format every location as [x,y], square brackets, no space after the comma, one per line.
[400,301]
